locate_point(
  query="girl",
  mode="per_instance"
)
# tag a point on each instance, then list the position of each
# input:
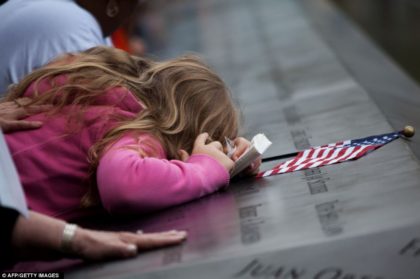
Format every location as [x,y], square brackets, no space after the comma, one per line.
[124,134]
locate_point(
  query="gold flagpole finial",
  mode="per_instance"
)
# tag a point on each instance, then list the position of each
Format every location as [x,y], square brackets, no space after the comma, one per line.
[408,131]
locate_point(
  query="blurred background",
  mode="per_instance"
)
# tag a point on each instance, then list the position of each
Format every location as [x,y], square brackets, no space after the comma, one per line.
[393,25]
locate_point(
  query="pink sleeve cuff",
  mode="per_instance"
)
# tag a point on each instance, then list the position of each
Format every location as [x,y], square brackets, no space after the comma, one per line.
[220,174]
[130,183]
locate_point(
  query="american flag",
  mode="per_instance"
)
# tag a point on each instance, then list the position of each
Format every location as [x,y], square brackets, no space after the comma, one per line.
[332,153]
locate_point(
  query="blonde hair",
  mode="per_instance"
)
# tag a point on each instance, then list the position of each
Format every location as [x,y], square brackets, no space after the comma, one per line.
[182,97]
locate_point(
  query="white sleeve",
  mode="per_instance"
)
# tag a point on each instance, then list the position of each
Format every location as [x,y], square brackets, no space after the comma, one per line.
[11,193]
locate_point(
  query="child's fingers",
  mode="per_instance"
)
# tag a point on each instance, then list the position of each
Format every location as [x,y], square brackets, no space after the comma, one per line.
[241,141]
[242,145]
[240,149]
[255,167]
[201,139]
[183,154]
[217,144]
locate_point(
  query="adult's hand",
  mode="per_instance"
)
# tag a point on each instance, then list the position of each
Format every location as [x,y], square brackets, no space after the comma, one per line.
[39,237]
[12,113]
[99,245]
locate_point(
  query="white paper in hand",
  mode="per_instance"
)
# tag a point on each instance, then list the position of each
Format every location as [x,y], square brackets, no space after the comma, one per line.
[11,193]
[259,144]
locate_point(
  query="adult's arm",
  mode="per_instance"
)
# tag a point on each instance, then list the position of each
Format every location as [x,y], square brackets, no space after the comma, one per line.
[8,218]
[39,237]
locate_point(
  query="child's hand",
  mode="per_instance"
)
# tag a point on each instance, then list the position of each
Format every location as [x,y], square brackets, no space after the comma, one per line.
[213,149]
[242,145]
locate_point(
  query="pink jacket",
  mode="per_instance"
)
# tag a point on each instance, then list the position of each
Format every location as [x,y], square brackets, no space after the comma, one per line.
[53,166]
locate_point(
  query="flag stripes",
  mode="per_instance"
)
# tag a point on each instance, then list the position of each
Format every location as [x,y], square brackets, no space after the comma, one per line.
[332,153]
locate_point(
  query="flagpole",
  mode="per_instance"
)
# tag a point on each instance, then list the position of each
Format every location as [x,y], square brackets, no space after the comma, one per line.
[407,132]
[279,157]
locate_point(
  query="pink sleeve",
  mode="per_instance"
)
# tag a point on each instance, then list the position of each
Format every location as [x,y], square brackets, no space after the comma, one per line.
[130,183]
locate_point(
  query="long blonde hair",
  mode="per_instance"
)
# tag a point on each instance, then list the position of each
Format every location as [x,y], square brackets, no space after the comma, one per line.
[182,97]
